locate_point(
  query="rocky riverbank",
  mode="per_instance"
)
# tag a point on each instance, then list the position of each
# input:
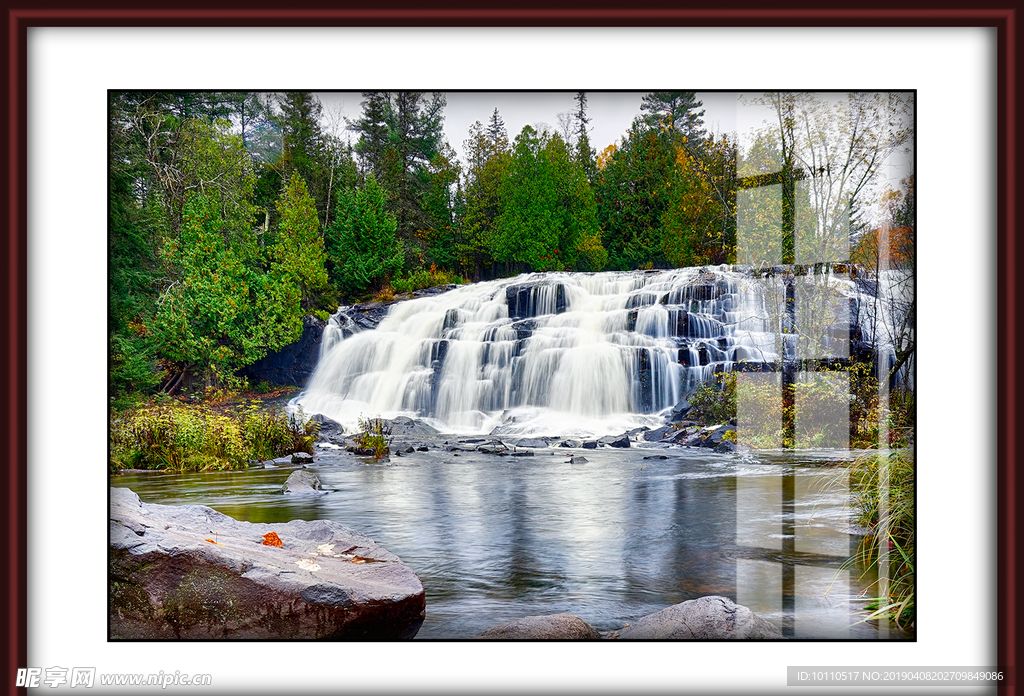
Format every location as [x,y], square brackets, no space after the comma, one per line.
[190,572]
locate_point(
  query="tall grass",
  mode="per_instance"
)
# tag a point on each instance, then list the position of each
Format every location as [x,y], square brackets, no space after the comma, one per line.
[178,437]
[889,521]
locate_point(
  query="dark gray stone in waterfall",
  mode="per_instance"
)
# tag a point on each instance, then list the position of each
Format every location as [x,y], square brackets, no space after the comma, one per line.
[661,433]
[571,443]
[302,458]
[302,483]
[590,444]
[726,446]
[406,427]
[550,627]
[715,438]
[531,442]
[705,618]
[167,581]
[293,364]
[614,440]
[578,459]
[522,299]
[327,429]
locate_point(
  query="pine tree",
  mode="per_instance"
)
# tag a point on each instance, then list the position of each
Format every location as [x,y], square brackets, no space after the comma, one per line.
[676,113]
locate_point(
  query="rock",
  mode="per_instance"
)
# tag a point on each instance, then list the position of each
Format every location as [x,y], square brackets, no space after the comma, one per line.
[578,459]
[615,440]
[571,443]
[327,429]
[705,618]
[657,456]
[293,364]
[302,458]
[552,626]
[531,442]
[636,432]
[302,483]
[492,447]
[523,453]
[168,581]
[726,446]
[404,427]
[660,433]
[716,435]
[590,444]
[422,448]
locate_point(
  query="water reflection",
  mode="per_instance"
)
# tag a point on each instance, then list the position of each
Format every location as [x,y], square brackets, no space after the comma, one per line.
[497,538]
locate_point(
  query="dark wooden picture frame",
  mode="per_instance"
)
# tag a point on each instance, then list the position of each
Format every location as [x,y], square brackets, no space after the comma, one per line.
[14,578]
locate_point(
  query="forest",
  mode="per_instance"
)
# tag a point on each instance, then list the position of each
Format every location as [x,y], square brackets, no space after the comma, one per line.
[234,214]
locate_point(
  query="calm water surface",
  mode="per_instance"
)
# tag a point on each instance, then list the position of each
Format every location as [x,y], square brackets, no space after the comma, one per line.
[498,538]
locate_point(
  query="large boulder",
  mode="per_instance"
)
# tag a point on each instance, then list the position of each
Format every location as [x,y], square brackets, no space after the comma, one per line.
[552,626]
[705,618]
[302,482]
[191,572]
[405,427]
[293,364]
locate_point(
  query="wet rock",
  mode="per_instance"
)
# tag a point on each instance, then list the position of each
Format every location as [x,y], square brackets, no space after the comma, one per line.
[531,442]
[658,456]
[422,448]
[571,443]
[578,459]
[492,447]
[293,364]
[660,433]
[405,427]
[725,446]
[167,581]
[327,429]
[302,458]
[615,440]
[302,483]
[637,432]
[552,626]
[590,444]
[522,453]
[705,618]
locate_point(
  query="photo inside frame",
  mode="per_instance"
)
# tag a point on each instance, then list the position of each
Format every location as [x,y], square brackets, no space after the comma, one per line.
[543,365]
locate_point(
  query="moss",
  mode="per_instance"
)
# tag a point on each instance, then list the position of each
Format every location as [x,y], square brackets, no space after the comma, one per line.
[204,597]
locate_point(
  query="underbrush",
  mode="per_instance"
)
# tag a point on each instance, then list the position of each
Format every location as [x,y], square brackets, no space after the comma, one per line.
[425,278]
[174,436]
[886,553]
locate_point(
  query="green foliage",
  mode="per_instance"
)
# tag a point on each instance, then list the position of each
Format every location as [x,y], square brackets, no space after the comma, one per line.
[715,403]
[180,437]
[222,313]
[298,256]
[632,195]
[375,436]
[548,215]
[425,278]
[364,250]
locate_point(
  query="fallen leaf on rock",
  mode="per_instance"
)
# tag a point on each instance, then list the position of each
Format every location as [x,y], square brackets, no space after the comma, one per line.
[213,542]
[307,564]
[271,539]
[325,548]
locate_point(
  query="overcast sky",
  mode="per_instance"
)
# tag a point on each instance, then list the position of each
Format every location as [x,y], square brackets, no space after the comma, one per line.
[610,113]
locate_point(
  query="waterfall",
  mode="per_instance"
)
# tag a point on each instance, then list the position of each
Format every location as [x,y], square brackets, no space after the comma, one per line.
[549,353]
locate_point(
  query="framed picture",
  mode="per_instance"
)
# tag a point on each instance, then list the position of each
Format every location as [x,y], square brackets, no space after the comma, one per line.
[62,265]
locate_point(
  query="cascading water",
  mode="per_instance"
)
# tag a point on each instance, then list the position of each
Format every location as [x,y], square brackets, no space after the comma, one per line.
[557,353]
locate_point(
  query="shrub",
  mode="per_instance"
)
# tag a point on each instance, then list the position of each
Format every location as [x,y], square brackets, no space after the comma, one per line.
[715,403]
[174,436]
[425,278]
[375,436]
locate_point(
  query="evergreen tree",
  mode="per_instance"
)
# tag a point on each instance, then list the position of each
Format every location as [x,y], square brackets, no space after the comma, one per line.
[584,152]
[364,251]
[299,252]
[675,113]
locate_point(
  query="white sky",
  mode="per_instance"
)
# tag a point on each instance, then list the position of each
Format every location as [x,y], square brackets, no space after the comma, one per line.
[610,113]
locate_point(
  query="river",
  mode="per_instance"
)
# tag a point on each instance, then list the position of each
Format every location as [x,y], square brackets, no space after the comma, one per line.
[613,539]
